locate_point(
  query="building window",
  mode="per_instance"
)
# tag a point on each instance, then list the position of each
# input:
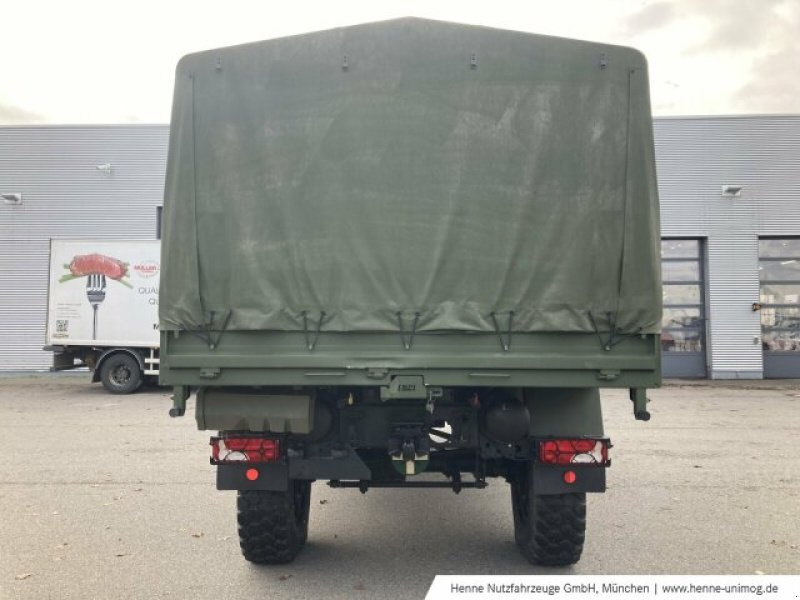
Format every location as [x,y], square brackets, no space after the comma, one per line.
[779,274]
[683,321]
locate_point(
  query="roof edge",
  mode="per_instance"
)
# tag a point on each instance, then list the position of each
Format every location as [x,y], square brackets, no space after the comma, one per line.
[166,123]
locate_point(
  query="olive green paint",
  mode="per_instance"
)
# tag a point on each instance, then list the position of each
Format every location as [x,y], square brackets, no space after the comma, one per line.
[408,178]
[365,359]
[564,412]
[229,410]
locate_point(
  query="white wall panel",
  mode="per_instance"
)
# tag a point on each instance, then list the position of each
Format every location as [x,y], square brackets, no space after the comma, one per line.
[696,156]
[65,195]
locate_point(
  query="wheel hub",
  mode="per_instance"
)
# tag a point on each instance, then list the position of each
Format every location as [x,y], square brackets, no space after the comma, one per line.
[121,375]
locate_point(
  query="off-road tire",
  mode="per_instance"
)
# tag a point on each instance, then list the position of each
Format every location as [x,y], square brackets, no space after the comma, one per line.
[273,526]
[120,374]
[549,529]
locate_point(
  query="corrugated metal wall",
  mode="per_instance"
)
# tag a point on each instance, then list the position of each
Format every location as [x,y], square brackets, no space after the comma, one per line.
[695,157]
[66,196]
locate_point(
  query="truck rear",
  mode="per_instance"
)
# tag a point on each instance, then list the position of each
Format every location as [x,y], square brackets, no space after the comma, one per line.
[410,254]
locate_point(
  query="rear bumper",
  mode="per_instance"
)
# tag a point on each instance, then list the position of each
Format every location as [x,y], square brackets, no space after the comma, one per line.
[548,479]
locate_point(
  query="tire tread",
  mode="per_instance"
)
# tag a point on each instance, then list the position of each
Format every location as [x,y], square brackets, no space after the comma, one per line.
[559,530]
[268,530]
[549,529]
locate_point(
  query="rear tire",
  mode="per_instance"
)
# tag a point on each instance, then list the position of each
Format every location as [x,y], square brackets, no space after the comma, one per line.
[273,526]
[549,530]
[120,373]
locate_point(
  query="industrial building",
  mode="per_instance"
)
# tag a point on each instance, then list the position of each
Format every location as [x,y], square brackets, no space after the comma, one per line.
[730,222]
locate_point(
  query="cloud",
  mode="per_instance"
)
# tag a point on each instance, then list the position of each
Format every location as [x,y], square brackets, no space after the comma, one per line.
[14,115]
[754,43]
[748,24]
[651,17]
[774,86]
[730,25]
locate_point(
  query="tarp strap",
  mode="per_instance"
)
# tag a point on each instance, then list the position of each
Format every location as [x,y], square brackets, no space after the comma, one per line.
[614,334]
[214,343]
[312,342]
[407,342]
[612,326]
[204,331]
[505,343]
[198,333]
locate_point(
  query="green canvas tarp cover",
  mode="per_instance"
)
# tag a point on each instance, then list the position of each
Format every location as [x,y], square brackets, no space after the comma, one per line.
[414,167]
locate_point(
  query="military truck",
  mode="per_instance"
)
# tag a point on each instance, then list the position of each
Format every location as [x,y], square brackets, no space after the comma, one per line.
[409,254]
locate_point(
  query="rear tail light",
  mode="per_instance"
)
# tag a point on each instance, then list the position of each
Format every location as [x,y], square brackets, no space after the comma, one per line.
[225,450]
[574,452]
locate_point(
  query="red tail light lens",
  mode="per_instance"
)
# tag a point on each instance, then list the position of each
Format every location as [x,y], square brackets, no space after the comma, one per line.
[574,452]
[244,449]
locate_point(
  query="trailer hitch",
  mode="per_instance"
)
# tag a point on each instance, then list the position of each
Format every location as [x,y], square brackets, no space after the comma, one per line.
[409,449]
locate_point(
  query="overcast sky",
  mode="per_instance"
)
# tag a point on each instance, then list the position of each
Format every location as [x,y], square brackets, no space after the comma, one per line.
[101,61]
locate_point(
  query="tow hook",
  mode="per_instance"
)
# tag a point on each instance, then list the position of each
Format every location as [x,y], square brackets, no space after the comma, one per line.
[409,449]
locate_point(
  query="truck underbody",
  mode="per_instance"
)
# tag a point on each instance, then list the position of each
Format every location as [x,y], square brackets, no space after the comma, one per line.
[386,437]
[370,424]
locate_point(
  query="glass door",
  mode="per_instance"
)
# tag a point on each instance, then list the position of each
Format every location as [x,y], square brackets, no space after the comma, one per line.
[779,275]
[683,326]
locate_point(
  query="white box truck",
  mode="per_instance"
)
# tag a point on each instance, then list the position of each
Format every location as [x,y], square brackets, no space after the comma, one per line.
[102,310]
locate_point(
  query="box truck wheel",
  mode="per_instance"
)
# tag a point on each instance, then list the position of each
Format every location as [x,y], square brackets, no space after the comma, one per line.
[120,373]
[273,526]
[549,529]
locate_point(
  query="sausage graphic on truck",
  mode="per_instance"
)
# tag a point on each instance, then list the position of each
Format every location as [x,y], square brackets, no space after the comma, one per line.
[96,264]
[103,310]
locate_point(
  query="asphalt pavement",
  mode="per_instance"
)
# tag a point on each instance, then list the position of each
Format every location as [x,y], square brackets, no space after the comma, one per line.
[107,497]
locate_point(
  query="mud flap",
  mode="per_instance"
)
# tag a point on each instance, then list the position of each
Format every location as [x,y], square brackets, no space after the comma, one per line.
[549,479]
[273,477]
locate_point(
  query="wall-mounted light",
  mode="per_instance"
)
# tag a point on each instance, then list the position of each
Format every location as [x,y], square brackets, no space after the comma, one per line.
[732,191]
[105,168]
[12,198]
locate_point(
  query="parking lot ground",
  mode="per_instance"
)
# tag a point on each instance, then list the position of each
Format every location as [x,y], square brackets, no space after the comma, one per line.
[107,497]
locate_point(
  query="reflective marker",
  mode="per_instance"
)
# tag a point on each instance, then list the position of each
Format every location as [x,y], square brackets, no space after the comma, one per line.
[570,477]
[251,474]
